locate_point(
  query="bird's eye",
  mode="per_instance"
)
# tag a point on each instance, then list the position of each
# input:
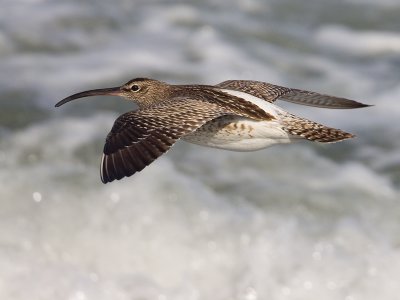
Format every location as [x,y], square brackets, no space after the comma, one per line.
[135,88]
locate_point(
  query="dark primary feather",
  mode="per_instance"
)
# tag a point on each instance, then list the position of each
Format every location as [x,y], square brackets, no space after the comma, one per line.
[271,93]
[139,137]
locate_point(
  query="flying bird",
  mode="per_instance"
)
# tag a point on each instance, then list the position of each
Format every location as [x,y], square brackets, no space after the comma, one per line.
[238,115]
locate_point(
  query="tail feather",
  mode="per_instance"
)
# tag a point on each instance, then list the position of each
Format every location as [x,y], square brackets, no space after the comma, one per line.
[313,131]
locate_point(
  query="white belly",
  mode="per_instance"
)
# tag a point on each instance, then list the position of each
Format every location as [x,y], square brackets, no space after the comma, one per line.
[239,134]
[243,134]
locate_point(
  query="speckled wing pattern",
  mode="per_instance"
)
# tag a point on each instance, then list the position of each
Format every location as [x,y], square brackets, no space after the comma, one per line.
[139,137]
[271,93]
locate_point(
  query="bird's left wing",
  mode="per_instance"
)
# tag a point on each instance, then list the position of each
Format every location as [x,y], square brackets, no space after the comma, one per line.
[139,137]
[271,93]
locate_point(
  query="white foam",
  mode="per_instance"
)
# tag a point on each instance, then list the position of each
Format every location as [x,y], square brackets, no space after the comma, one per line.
[198,222]
[358,42]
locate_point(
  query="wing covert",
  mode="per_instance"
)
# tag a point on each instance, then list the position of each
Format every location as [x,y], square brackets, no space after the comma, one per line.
[139,137]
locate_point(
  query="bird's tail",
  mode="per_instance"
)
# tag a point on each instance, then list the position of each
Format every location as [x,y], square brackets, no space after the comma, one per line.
[311,130]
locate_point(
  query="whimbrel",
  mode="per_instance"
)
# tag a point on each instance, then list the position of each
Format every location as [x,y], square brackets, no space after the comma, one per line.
[236,115]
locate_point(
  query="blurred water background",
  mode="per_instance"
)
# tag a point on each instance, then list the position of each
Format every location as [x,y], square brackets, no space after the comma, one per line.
[304,221]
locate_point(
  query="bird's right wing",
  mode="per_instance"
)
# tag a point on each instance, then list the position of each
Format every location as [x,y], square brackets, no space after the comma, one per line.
[271,93]
[139,137]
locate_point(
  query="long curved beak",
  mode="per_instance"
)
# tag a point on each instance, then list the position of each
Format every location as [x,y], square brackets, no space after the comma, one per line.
[114,91]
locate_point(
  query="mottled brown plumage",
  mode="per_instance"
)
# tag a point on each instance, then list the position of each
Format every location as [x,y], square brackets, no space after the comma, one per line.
[236,115]
[313,131]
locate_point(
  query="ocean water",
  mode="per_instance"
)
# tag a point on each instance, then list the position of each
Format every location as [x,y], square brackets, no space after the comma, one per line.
[303,221]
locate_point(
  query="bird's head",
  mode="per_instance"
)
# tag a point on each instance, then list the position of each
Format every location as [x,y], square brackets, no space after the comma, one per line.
[143,91]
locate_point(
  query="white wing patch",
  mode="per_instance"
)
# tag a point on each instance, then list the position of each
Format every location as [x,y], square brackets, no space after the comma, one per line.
[261,103]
